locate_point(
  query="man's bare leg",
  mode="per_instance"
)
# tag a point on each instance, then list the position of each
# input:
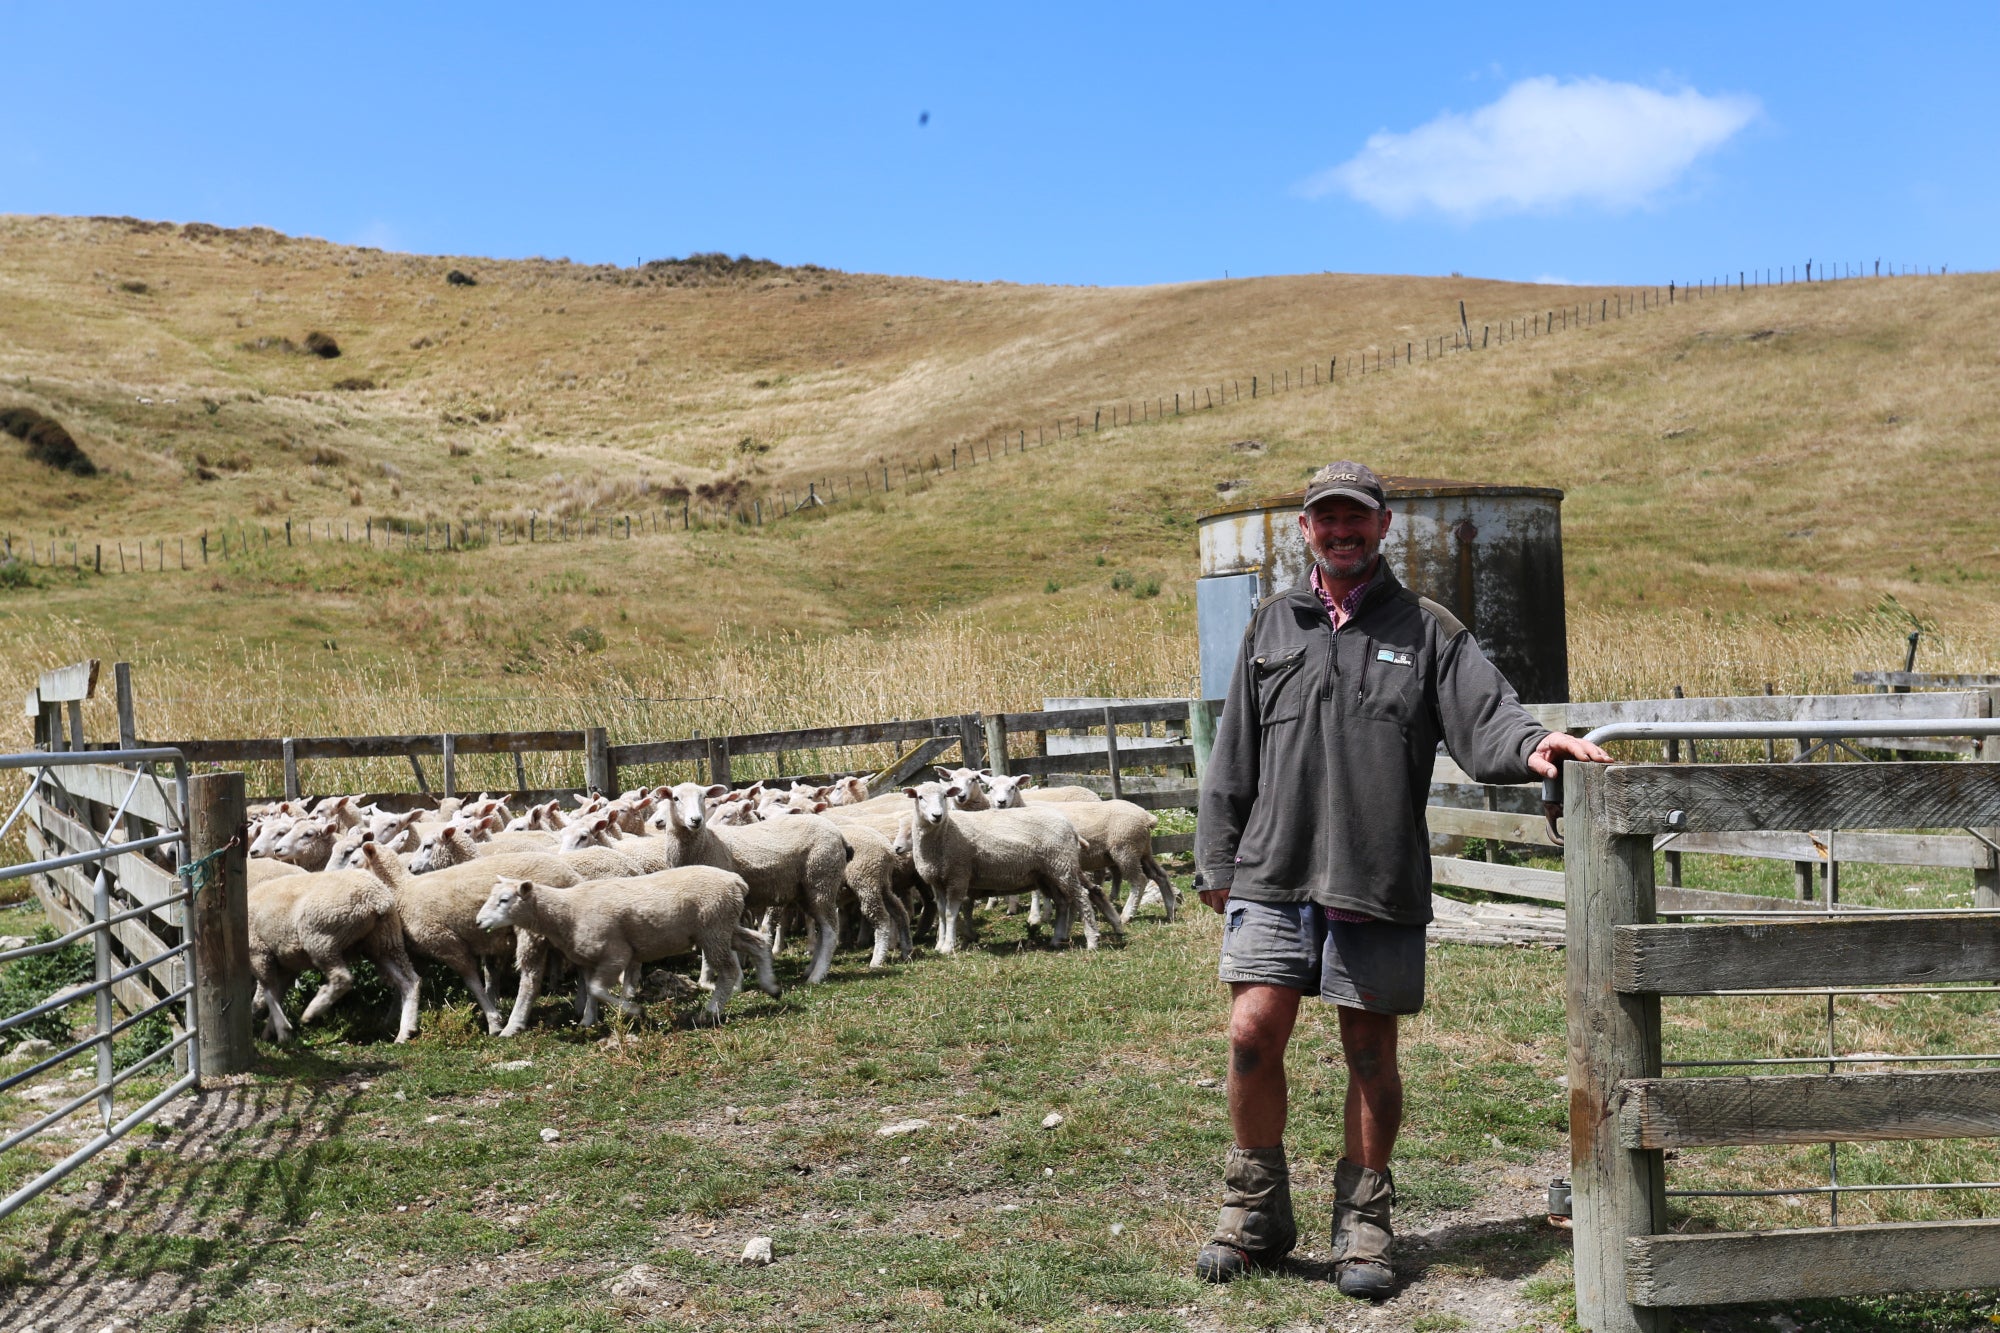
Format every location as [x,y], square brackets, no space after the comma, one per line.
[1364,1193]
[1261,1019]
[1374,1087]
[1255,1225]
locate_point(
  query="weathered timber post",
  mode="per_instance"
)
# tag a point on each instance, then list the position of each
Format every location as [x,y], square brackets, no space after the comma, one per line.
[289,748]
[448,745]
[1202,717]
[1616,1191]
[971,738]
[598,774]
[128,726]
[996,743]
[1111,756]
[718,759]
[1986,883]
[218,920]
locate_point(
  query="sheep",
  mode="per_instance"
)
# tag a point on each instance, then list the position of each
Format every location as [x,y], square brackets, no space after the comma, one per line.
[801,859]
[875,871]
[262,868]
[314,920]
[1117,837]
[850,790]
[610,928]
[994,852]
[308,844]
[440,911]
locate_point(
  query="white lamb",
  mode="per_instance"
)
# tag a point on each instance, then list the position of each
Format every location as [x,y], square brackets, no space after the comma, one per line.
[798,860]
[612,928]
[1117,839]
[992,853]
[316,920]
[440,916]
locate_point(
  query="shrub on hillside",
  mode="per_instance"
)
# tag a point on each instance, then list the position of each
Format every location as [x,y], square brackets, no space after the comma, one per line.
[460,279]
[47,441]
[322,345]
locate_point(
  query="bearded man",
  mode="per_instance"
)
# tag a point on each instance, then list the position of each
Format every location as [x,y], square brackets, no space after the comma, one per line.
[1311,842]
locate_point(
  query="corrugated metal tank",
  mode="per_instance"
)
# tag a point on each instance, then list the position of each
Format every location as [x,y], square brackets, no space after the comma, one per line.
[1492,554]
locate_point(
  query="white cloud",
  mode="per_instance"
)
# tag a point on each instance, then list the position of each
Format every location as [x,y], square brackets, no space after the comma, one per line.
[1543,146]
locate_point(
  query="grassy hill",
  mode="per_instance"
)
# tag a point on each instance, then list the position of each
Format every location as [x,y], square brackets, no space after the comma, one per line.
[1766,485]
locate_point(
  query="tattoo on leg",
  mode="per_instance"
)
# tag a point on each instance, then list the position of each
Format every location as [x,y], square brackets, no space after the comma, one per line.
[1365,1061]
[1245,1059]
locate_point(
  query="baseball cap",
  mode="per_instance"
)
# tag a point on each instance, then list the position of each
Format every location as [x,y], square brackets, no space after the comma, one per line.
[1351,480]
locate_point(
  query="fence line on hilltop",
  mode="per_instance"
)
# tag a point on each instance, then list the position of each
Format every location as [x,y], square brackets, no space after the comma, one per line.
[728,507]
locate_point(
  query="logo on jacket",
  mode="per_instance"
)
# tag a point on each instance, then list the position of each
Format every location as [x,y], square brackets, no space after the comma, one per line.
[1399,659]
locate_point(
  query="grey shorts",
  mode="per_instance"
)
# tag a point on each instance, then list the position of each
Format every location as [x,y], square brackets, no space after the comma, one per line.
[1373,965]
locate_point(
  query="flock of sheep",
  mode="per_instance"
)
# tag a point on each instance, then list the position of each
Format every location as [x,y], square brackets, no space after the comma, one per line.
[658,872]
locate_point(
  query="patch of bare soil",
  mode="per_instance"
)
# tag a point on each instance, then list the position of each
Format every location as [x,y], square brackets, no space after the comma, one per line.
[212,1156]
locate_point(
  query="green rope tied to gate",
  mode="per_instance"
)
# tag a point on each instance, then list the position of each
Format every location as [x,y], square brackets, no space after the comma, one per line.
[198,873]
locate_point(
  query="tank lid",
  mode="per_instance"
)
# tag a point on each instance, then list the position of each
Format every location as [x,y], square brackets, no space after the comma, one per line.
[1395,488]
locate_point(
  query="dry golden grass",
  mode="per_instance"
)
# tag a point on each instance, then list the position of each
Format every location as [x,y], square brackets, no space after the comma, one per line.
[1770,486]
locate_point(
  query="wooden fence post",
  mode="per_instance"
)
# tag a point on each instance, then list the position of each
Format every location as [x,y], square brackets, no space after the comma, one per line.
[1986,883]
[128,727]
[598,775]
[1111,756]
[1616,1191]
[219,923]
[290,752]
[447,744]
[996,743]
[718,759]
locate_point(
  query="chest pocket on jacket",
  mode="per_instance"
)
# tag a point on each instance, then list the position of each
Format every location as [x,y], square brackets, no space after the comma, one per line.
[1281,684]
[1388,685]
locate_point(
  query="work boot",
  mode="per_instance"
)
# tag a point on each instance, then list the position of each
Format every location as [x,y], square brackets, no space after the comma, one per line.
[1362,1200]
[1255,1228]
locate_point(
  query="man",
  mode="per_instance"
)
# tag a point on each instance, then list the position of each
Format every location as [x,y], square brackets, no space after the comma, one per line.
[1312,844]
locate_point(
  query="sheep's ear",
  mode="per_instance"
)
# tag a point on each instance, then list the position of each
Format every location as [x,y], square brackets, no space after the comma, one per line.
[716,791]
[941,771]
[954,791]
[985,772]
[910,792]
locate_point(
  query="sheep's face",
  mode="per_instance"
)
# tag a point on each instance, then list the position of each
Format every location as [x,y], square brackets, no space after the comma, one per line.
[687,804]
[302,837]
[847,791]
[509,902]
[268,834]
[447,847]
[1004,792]
[346,853]
[586,833]
[934,801]
[630,812]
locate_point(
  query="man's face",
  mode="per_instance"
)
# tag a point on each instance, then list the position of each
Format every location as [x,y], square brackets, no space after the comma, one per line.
[1343,536]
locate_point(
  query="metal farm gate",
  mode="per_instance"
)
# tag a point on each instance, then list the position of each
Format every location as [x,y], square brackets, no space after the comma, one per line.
[102,828]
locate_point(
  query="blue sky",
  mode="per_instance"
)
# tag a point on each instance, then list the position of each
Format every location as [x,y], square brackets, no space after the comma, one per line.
[1109,144]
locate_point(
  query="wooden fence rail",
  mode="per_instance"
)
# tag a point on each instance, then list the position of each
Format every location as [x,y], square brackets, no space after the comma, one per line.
[1622,960]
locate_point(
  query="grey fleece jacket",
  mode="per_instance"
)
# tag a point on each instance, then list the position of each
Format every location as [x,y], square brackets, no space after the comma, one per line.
[1321,768]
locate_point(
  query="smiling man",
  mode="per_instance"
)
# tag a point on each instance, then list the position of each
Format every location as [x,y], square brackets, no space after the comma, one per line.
[1311,842]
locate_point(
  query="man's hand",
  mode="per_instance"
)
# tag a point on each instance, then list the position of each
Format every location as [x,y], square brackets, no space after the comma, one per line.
[1217,899]
[1557,746]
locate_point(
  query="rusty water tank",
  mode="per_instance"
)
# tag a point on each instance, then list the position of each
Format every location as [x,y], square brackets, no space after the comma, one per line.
[1492,554]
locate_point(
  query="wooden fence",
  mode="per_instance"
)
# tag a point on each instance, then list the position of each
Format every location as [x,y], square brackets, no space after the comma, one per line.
[1816,868]
[1090,742]
[1630,1266]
